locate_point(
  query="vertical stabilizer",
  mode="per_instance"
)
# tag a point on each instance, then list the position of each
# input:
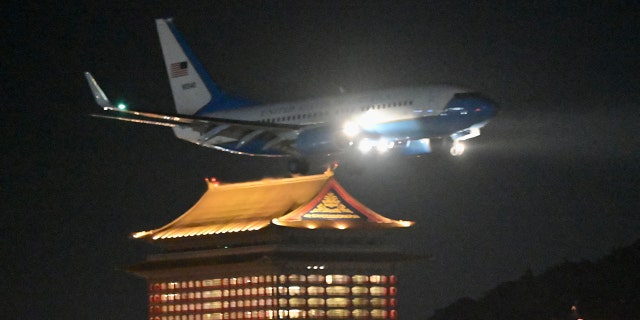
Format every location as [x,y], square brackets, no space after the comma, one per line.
[194,92]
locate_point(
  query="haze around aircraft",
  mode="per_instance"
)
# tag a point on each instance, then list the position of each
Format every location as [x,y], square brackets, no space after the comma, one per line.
[406,121]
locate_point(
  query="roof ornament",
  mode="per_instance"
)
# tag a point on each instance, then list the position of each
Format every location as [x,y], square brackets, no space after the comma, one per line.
[212,182]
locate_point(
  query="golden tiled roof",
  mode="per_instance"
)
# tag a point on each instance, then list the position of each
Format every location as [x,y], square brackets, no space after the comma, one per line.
[243,206]
[292,202]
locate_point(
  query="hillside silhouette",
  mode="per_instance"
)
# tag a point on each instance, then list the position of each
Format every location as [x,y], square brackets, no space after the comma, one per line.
[608,288]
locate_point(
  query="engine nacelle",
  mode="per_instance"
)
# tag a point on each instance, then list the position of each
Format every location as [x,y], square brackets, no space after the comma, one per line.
[321,140]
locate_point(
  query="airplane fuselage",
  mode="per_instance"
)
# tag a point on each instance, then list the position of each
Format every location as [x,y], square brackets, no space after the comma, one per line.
[409,121]
[387,105]
[399,115]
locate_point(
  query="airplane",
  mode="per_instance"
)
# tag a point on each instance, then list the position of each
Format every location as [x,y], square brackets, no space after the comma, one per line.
[405,121]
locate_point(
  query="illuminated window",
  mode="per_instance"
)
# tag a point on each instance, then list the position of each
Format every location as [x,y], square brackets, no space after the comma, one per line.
[270,302]
[282,302]
[378,291]
[315,302]
[359,291]
[338,291]
[378,314]
[215,305]
[269,291]
[296,290]
[360,313]
[337,279]
[297,302]
[338,314]
[338,302]
[360,302]
[360,279]
[297,314]
[315,291]
[316,313]
[378,279]
[297,278]
[379,302]
[315,278]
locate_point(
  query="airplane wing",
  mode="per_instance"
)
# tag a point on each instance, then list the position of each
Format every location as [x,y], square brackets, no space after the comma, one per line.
[279,136]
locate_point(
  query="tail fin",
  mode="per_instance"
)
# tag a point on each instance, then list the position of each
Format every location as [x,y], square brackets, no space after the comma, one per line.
[98,94]
[194,92]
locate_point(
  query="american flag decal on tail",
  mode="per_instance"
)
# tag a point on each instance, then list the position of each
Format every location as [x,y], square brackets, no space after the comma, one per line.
[179,69]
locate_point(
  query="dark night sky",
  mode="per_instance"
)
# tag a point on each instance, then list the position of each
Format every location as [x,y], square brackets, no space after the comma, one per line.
[555,177]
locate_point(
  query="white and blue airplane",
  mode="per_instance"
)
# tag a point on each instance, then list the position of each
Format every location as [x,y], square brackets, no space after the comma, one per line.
[408,121]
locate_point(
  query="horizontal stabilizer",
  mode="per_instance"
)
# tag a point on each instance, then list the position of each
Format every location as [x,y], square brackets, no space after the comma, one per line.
[136,120]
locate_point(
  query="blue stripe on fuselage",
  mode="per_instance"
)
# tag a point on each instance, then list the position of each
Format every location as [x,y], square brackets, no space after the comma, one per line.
[459,114]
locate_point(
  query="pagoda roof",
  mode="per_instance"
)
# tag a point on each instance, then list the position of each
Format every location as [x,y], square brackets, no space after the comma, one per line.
[316,201]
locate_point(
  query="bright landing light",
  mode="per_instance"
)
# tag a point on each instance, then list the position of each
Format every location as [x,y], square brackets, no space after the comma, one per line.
[381,145]
[457,148]
[122,106]
[366,145]
[351,129]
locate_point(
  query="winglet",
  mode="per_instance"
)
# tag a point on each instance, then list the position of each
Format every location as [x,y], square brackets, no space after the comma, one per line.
[98,94]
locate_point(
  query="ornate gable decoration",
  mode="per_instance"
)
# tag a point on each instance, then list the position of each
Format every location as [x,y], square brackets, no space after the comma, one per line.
[333,207]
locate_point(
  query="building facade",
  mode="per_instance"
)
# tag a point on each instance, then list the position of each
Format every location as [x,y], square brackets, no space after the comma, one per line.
[295,248]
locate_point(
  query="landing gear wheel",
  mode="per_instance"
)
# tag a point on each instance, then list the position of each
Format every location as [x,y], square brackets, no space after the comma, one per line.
[457,149]
[298,166]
